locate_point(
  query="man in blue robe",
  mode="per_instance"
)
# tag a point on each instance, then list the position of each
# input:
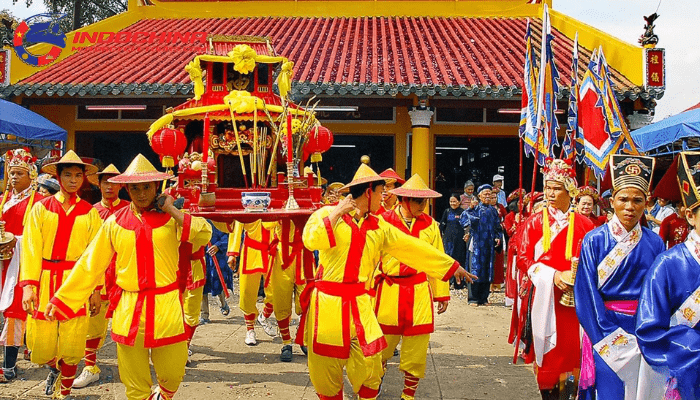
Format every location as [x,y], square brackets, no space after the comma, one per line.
[485,231]
[668,328]
[614,260]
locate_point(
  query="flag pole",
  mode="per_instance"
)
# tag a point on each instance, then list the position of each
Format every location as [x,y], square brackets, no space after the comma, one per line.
[520,180]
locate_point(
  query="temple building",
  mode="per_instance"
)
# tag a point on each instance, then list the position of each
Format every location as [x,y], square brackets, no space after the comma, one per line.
[432,87]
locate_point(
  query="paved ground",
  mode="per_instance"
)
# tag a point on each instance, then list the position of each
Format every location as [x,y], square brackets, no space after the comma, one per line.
[469,359]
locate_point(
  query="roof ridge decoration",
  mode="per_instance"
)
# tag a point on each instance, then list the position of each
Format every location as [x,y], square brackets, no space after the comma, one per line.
[238,38]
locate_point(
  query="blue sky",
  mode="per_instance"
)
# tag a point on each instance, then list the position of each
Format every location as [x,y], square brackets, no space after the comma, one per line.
[678,29]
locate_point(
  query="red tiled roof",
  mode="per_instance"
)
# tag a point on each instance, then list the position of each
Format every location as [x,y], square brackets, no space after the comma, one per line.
[369,55]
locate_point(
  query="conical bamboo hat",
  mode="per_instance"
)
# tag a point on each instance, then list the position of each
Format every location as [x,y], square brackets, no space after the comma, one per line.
[139,171]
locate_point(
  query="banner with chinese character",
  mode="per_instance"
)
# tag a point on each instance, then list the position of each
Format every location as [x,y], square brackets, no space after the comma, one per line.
[655,68]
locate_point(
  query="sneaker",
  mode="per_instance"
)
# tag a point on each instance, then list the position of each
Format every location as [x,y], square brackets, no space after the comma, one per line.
[203,321]
[8,374]
[88,376]
[286,355]
[250,338]
[225,309]
[305,350]
[51,383]
[267,326]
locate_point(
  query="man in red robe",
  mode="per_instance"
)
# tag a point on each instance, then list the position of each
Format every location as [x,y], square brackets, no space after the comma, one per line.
[675,228]
[16,203]
[549,250]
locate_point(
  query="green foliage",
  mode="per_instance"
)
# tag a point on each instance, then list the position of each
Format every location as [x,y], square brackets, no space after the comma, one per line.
[91,11]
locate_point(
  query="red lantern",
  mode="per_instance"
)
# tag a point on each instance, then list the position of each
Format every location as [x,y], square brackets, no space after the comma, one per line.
[320,140]
[169,143]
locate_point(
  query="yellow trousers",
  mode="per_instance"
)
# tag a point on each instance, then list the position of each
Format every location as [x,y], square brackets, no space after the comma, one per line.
[97,327]
[286,292]
[60,340]
[192,305]
[248,287]
[135,373]
[414,351]
[326,373]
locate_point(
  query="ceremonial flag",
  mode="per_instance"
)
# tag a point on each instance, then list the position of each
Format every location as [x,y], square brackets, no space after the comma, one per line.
[616,119]
[528,113]
[593,120]
[547,88]
[568,147]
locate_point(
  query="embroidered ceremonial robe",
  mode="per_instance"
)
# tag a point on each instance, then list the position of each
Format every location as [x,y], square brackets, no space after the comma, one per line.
[667,329]
[404,295]
[340,306]
[259,246]
[555,327]
[608,281]
[15,213]
[485,229]
[513,275]
[106,210]
[53,241]
[146,250]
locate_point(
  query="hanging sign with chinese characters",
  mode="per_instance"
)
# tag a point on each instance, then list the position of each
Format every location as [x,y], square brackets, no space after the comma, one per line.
[655,68]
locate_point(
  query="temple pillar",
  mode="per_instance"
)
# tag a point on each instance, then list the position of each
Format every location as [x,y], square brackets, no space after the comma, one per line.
[421,148]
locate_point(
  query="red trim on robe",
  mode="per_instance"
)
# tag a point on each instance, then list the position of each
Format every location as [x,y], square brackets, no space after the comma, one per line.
[186,227]
[67,312]
[126,219]
[357,246]
[267,249]
[329,231]
[455,266]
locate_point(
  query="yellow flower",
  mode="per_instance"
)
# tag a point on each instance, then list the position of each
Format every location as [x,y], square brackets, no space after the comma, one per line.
[241,101]
[243,58]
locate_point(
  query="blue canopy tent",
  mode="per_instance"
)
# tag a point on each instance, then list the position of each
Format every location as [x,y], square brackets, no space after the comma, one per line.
[671,135]
[22,127]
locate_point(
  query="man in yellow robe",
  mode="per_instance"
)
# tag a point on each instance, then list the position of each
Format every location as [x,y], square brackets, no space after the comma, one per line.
[58,230]
[148,315]
[258,253]
[293,266]
[339,325]
[405,296]
[97,328]
[194,288]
